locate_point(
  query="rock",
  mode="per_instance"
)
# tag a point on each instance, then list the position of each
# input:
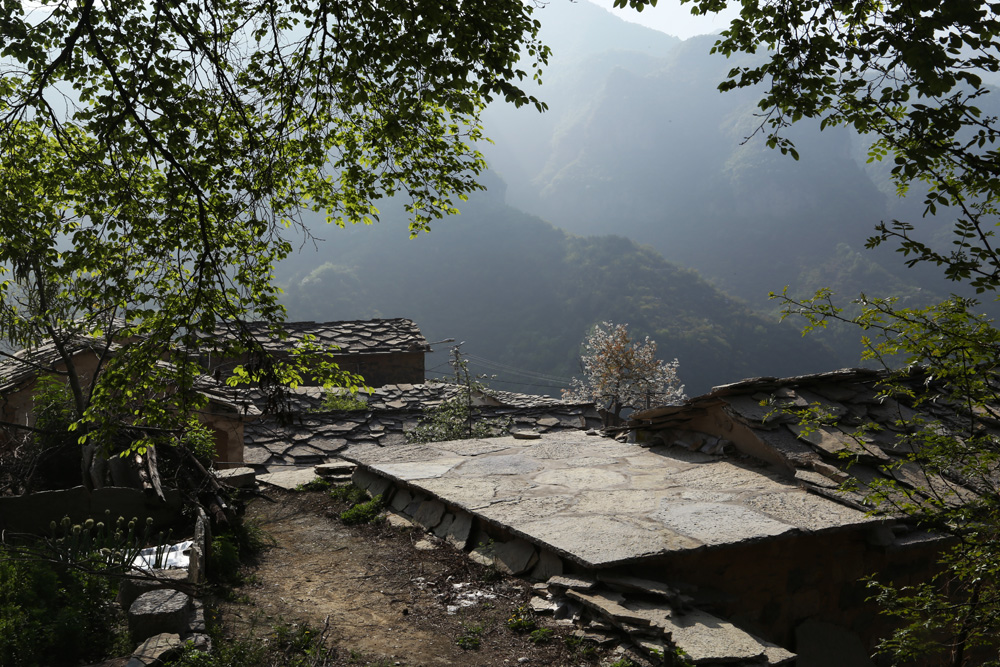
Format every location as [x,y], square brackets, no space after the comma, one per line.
[526,435]
[288,479]
[429,514]
[646,586]
[458,533]
[130,589]
[576,582]
[372,483]
[549,565]
[442,528]
[401,499]
[241,477]
[156,650]
[335,468]
[541,606]
[196,620]
[608,604]
[515,557]
[201,642]
[398,521]
[424,545]
[157,612]
[708,639]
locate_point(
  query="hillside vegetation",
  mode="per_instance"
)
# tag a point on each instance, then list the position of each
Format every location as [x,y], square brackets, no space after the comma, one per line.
[524,294]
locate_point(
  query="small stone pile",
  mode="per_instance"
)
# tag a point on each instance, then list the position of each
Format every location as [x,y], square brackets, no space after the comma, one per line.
[657,619]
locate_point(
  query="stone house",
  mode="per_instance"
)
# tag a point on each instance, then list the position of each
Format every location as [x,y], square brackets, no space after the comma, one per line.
[20,373]
[383,351]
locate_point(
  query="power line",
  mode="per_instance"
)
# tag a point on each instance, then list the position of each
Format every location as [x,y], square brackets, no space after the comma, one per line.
[482,361]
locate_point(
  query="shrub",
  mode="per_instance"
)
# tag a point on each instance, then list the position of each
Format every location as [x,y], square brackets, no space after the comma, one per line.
[349,494]
[334,402]
[51,614]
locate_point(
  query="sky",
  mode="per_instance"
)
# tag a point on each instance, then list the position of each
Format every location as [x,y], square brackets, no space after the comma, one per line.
[671,17]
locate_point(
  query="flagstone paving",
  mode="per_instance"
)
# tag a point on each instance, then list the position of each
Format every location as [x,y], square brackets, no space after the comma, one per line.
[600,502]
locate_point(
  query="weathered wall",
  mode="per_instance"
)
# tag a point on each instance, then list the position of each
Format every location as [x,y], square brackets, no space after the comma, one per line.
[379,370]
[773,588]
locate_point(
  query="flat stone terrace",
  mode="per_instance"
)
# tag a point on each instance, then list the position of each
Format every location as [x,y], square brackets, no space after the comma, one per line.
[600,502]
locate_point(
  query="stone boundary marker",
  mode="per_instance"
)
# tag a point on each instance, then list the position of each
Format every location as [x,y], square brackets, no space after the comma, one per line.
[603,605]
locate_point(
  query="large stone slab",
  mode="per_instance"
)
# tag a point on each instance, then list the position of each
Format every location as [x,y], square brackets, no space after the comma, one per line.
[159,611]
[156,650]
[719,523]
[288,479]
[710,640]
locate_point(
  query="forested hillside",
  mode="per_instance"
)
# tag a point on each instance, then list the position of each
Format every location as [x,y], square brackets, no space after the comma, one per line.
[640,142]
[523,293]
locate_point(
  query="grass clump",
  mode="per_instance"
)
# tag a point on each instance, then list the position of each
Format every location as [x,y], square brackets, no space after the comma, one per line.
[287,645]
[541,636]
[335,402]
[623,662]
[317,484]
[349,494]
[366,512]
[471,637]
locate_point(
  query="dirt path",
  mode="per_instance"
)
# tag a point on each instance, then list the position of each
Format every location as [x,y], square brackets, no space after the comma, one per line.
[380,596]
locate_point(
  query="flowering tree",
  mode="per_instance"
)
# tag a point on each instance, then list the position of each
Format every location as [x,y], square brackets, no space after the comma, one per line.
[621,373]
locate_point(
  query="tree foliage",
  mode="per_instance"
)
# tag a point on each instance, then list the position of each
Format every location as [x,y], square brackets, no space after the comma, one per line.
[620,373]
[154,158]
[913,78]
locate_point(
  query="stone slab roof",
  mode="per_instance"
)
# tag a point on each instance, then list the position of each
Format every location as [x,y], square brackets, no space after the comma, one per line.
[308,438]
[27,364]
[379,336]
[600,502]
[417,397]
[824,456]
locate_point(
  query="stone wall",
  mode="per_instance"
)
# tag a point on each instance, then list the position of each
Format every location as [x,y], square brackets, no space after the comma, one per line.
[776,587]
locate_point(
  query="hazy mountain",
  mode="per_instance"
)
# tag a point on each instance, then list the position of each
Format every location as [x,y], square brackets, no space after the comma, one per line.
[523,294]
[641,143]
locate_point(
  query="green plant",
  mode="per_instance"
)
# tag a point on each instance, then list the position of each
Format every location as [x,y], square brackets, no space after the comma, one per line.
[623,662]
[231,549]
[54,614]
[471,637]
[456,419]
[342,402]
[365,512]
[349,494]
[541,636]
[491,572]
[521,620]
[680,658]
[317,484]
